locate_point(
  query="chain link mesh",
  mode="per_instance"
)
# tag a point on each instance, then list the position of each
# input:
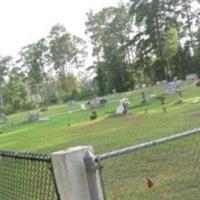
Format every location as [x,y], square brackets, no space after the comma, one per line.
[169,172]
[26,176]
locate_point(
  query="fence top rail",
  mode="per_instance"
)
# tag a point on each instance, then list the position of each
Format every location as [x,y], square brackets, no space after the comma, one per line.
[25,155]
[135,148]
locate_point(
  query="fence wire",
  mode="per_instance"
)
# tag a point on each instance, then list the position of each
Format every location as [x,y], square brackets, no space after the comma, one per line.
[25,176]
[170,171]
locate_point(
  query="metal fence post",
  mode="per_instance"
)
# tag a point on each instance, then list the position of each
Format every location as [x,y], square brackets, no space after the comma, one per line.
[93,176]
[74,179]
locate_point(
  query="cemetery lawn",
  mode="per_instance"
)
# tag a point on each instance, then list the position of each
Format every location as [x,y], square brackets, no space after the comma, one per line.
[176,163]
[108,132]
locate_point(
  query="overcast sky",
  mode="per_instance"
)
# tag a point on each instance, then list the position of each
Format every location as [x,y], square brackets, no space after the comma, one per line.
[26,21]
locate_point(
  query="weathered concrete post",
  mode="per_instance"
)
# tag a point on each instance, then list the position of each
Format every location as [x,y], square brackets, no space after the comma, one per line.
[76,176]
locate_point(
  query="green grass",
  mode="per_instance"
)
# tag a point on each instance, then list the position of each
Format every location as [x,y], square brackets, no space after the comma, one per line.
[174,166]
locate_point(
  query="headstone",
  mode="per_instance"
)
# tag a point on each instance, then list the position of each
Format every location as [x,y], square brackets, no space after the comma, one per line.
[3,118]
[96,103]
[33,117]
[144,85]
[170,88]
[120,109]
[72,102]
[83,107]
[93,115]
[123,106]
[191,77]
[158,83]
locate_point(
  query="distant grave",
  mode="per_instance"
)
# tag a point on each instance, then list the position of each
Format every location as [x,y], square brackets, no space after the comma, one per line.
[170,88]
[93,115]
[97,102]
[122,108]
[35,117]
[191,77]
[72,103]
[3,118]
[83,107]
[144,85]
[32,117]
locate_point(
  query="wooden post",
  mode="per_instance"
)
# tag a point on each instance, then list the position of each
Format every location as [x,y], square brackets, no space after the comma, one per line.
[76,175]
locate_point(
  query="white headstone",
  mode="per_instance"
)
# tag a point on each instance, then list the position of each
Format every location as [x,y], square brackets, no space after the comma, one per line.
[144,85]
[83,107]
[158,83]
[120,109]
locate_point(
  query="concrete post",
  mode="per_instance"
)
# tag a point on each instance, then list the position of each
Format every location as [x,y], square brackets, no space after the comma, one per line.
[73,175]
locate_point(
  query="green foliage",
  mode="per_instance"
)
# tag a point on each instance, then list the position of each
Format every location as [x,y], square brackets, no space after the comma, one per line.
[109,29]
[7,109]
[170,44]
[64,51]
[162,28]
[15,90]
[4,65]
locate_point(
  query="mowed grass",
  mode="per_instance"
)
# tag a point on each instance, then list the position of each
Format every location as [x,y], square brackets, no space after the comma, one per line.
[173,166]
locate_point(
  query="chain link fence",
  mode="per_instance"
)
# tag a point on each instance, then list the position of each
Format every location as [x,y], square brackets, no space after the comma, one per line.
[26,176]
[169,171]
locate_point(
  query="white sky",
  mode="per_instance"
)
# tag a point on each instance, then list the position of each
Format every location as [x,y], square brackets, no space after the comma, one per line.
[25,21]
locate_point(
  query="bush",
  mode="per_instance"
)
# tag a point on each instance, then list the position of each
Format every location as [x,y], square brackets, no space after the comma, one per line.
[53,99]
[7,109]
[28,106]
[65,98]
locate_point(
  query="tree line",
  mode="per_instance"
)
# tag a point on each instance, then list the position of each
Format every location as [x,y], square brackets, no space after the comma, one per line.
[143,41]
[43,71]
